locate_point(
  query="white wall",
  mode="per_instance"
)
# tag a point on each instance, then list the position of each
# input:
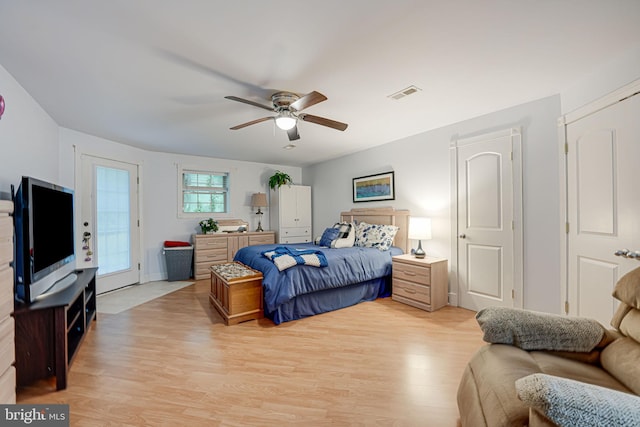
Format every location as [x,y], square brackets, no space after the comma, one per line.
[604,79]
[159,190]
[28,137]
[33,144]
[422,185]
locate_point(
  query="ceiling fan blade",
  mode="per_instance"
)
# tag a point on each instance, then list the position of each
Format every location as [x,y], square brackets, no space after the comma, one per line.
[323,121]
[252,122]
[308,100]
[293,133]
[197,66]
[246,101]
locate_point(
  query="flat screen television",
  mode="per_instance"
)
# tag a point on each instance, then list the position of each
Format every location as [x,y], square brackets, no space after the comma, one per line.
[45,243]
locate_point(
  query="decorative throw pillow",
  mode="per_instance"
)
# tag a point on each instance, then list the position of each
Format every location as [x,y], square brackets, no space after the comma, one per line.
[346,235]
[627,289]
[375,236]
[532,330]
[329,235]
[568,402]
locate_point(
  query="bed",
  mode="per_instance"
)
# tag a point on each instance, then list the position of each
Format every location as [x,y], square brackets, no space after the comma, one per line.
[353,275]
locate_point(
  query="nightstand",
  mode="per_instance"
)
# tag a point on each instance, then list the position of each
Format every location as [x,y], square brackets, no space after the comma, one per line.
[422,283]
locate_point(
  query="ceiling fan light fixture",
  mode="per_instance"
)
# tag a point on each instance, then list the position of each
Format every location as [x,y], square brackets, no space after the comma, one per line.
[285,122]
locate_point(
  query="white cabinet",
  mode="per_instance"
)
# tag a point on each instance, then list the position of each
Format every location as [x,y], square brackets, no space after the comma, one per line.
[290,213]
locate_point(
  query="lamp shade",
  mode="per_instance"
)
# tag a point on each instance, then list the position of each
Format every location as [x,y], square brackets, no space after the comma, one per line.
[419,228]
[259,200]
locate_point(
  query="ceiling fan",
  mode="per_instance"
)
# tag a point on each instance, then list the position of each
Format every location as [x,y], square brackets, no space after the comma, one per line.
[288,107]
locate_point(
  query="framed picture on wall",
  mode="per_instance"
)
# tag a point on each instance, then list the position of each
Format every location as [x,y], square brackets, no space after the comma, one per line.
[374,187]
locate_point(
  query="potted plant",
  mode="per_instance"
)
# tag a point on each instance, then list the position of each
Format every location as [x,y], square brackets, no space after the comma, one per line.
[279,179]
[208,226]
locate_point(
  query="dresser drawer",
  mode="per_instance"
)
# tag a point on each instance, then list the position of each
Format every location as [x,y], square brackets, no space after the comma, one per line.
[295,231]
[6,292]
[413,273]
[261,240]
[6,252]
[211,255]
[295,239]
[411,290]
[210,242]
[8,386]
[6,227]
[7,345]
[202,269]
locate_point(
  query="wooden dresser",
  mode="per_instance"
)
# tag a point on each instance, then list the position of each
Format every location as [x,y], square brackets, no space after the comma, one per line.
[422,283]
[217,248]
[7,328]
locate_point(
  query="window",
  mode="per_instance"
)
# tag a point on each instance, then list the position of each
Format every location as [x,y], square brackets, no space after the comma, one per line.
[204,192]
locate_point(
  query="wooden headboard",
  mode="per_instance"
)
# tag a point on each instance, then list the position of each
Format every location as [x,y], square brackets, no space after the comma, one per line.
[385,216]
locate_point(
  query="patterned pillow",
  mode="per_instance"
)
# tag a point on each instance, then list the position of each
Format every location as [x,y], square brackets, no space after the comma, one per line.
[375,235]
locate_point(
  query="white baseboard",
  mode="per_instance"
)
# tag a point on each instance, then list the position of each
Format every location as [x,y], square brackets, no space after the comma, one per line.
[453,299]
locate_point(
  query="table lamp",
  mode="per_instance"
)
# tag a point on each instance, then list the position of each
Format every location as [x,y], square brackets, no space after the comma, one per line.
[419,229]
[259,200]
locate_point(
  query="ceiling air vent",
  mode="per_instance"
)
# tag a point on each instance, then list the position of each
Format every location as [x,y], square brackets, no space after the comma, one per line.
[404,92]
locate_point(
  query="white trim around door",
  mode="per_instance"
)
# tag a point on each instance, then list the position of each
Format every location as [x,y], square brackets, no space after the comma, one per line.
[514,230]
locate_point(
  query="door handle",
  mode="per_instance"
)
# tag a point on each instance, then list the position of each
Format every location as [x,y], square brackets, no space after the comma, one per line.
[634,255]
[463,236]
[626,253]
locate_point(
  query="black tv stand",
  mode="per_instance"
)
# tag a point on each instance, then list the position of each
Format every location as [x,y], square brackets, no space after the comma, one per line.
[50,331]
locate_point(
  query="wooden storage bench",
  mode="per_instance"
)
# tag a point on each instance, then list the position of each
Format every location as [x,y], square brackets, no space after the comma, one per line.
[236,292]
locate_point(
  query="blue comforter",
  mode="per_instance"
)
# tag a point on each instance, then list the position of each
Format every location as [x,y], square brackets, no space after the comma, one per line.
[346,266]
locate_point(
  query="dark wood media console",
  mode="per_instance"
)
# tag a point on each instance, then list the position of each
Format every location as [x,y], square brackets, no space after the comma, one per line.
[50,331]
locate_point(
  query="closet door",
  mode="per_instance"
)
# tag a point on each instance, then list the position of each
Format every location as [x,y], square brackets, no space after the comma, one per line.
[603,204]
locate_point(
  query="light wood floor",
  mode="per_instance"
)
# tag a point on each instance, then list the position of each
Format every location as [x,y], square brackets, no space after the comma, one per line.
[173,362]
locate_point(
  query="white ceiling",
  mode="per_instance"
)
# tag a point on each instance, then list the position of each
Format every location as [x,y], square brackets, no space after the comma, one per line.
[154,73]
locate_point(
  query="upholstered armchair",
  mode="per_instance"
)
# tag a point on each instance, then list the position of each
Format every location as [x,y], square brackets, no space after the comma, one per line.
[542,369]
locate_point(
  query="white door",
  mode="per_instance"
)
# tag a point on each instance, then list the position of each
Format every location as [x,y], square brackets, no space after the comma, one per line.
[109,212]
[488,251]
[603,205]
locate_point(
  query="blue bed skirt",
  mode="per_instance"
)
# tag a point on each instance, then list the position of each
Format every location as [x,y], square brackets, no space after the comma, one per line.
[330,299]
[352,275]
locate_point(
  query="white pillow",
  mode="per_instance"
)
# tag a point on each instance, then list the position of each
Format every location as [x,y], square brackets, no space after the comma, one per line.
[345,241]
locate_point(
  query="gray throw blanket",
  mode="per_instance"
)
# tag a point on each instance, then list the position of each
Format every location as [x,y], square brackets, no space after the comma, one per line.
[530,330]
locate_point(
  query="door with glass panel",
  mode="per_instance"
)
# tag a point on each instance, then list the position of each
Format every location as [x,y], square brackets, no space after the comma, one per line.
[109,212]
